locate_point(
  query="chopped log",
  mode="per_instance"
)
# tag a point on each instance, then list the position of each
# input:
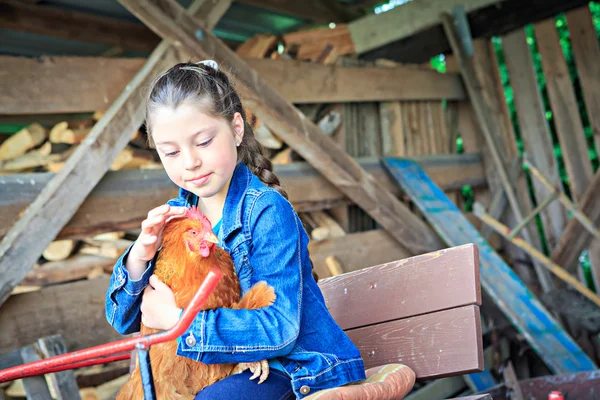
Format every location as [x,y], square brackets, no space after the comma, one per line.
[258,46]
[32,159]
[74,268]
[61,133]
[22,141]
[130,158]
[59,250]
[110,249]
[61,197]
[312,42]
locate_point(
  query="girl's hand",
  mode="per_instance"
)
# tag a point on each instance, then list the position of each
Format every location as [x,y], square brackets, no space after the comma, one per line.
[159,310]
[150,239]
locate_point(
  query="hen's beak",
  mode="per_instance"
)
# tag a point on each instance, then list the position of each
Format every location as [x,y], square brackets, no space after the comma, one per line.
[211,237]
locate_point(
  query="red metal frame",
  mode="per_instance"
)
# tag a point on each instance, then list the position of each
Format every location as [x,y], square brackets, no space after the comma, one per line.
[118,350]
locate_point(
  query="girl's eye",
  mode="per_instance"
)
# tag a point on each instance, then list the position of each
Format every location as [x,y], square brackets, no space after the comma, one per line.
[171,154]
[204,144]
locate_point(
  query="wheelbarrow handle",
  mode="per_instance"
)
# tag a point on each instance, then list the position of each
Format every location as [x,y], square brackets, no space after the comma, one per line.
[114,350]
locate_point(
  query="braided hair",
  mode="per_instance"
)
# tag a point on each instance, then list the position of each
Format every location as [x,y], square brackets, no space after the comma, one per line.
[210,88]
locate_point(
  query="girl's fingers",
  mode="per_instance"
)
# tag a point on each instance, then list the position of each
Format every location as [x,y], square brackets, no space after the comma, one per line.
[148,240]
[150,223]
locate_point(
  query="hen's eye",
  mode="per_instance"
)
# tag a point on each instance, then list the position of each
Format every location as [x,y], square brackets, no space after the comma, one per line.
[194,232]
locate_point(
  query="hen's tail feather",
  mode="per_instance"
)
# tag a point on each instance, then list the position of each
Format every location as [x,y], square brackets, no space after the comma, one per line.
[260,295]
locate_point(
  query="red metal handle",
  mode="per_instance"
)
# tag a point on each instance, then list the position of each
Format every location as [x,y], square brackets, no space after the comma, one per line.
[114,351]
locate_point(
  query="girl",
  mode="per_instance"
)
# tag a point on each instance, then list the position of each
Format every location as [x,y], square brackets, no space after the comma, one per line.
[196,122]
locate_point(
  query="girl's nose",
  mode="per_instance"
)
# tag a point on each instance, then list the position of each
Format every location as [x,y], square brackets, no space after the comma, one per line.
[191,161]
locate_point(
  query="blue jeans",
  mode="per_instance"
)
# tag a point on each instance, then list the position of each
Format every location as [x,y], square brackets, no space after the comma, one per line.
[278,386]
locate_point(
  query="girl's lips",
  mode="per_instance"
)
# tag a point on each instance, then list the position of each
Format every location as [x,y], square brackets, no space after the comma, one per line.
[200,180]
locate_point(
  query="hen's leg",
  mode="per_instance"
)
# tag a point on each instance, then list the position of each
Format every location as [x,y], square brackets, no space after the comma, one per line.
[259,369]
[260,295]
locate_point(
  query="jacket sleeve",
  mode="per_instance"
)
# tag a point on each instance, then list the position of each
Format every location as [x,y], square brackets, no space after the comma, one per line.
[123,297]
[228,336]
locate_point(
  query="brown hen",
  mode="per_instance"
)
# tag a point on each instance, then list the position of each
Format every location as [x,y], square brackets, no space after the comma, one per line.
[188,253]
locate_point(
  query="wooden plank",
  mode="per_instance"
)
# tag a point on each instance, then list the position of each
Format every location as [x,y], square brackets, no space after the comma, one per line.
[567,121]
[575,238]
[292,126]
[74,268]
[438,389]
[63,383]
[436,345]
[555,347]
[74,25]
[534,127]
[333,84]
[484,23]
[45,85]
[587,58]
[111,207]
[60,198]
[376,30]
[50,311]
[409,287]
[35,386]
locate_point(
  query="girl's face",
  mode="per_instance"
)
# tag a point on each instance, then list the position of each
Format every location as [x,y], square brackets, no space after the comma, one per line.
[197,150]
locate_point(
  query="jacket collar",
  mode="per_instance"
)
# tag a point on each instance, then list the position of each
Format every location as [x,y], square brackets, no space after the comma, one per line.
[232,210]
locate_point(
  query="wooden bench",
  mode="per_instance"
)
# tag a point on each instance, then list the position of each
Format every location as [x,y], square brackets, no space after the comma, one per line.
[422,312]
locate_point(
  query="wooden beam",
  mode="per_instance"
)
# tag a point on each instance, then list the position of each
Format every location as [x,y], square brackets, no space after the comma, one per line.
[376,30]
[46,85]
[316,10]
[485,23]
[73,25]
[61,197]
[111,206]
[169,21]
[334,84]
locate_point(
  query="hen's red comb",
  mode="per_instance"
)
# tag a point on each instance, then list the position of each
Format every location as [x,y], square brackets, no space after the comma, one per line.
[194,213]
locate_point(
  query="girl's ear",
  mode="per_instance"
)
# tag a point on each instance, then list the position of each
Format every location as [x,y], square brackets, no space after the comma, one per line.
[238,127]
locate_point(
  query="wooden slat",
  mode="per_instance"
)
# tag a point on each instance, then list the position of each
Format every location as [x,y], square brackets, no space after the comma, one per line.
[73,25]
[291,126]
[111,206]
[419,285]
[60,198]
[561,93]
[74,268]
[534,127]
[45,85]
[587,58]
[376,30]
[435,345]
[333,84]
[554,346]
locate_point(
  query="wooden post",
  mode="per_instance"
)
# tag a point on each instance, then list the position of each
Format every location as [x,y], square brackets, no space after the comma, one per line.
[60,198]
[167,19]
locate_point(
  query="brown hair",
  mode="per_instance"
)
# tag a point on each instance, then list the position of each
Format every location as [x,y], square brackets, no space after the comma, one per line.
[211,89]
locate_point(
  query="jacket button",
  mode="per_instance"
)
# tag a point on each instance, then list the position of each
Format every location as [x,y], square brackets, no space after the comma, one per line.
[190,340]
[304,390]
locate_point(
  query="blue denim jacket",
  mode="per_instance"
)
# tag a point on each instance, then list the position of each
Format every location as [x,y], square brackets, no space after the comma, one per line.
[267,241]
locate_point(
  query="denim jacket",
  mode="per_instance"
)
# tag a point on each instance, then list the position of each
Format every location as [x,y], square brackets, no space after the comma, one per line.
[267,241]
